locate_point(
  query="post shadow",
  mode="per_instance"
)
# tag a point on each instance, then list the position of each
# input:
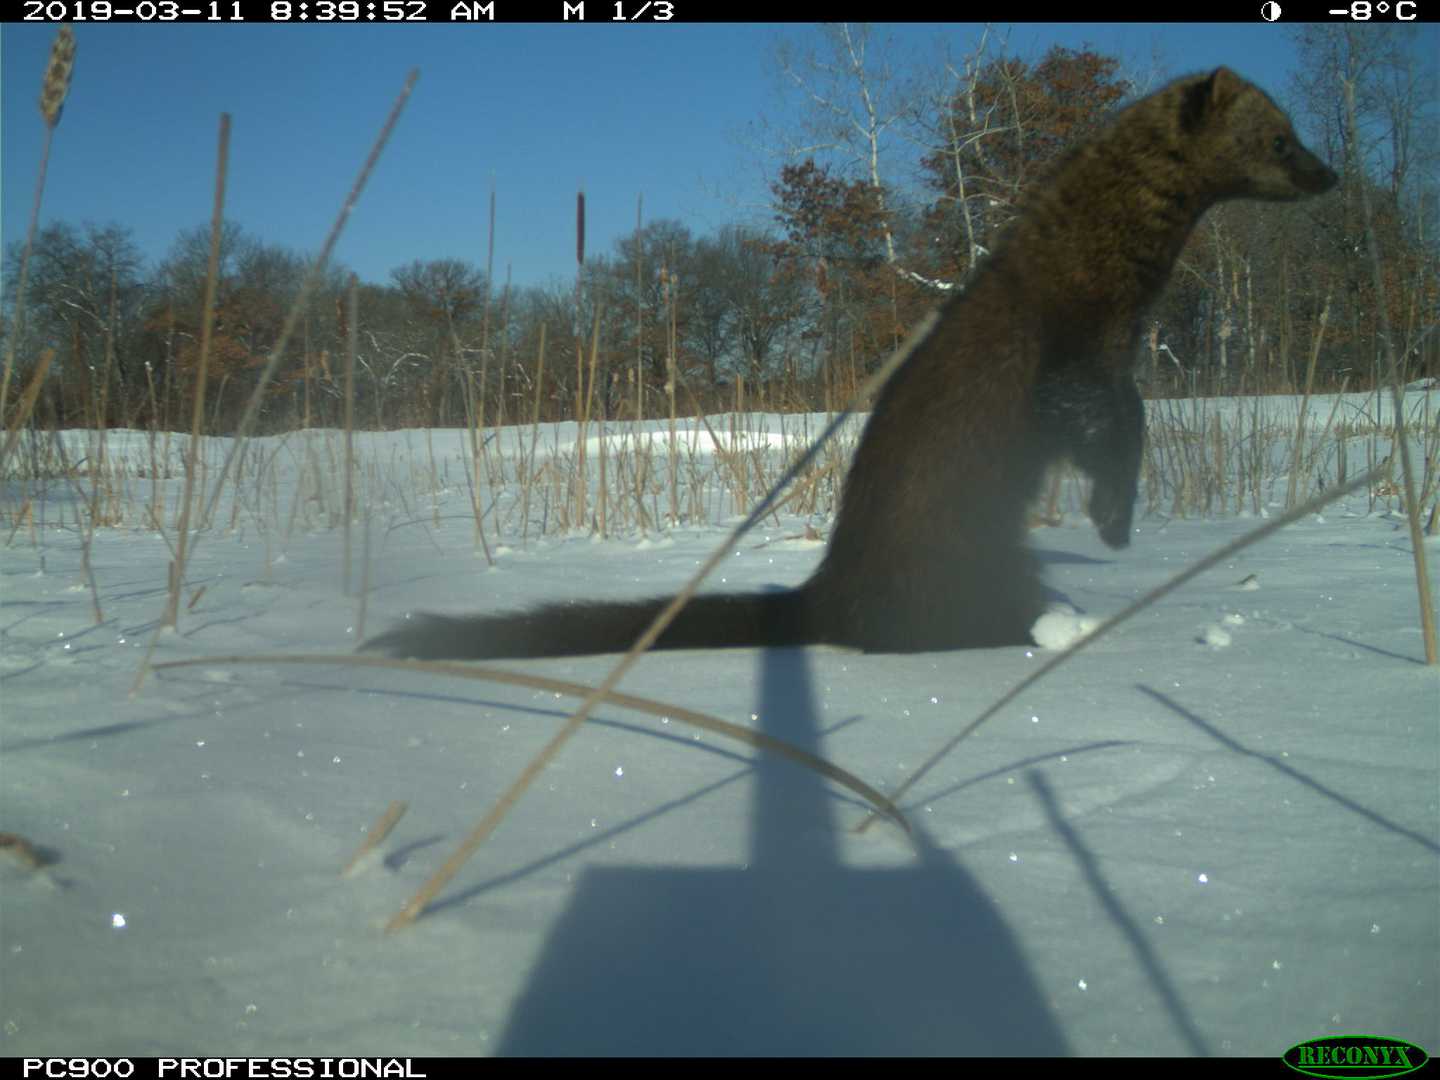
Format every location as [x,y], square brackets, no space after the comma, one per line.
[794,954]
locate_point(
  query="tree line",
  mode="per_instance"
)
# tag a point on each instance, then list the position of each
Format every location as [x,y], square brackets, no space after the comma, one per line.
[867,231]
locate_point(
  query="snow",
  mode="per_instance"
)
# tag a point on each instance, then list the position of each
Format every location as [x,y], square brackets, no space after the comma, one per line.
[1215,831]
[1062,626]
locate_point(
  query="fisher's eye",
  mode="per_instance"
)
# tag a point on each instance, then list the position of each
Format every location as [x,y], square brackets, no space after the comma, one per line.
[1281,144]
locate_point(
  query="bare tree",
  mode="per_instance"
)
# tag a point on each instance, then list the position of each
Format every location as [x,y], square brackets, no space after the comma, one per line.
[1396,159]
[850,87]
[87,299]
[443,296]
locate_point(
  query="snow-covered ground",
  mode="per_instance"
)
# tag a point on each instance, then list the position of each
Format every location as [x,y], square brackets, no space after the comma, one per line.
[1216,831]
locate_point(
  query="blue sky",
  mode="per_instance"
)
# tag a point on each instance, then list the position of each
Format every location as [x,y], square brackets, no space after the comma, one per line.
[667,112]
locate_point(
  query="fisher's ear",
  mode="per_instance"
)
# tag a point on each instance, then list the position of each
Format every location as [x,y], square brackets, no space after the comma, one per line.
[1208,96]
[1225,86]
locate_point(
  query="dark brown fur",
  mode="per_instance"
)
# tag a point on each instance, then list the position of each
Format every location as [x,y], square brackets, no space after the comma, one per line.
[1030,363]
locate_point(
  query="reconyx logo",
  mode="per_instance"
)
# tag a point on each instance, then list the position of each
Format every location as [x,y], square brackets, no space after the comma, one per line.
[1347,1056]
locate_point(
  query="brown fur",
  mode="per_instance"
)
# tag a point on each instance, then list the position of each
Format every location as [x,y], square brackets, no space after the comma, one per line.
[1030,363]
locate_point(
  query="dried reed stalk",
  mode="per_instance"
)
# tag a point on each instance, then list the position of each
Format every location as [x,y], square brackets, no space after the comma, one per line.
[376,836]
[534,438]
[352,346]
[1299,451]
[202,371]
[27,406]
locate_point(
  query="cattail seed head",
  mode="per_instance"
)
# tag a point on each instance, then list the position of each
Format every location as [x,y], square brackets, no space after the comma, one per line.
[580,228]
[57,76]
